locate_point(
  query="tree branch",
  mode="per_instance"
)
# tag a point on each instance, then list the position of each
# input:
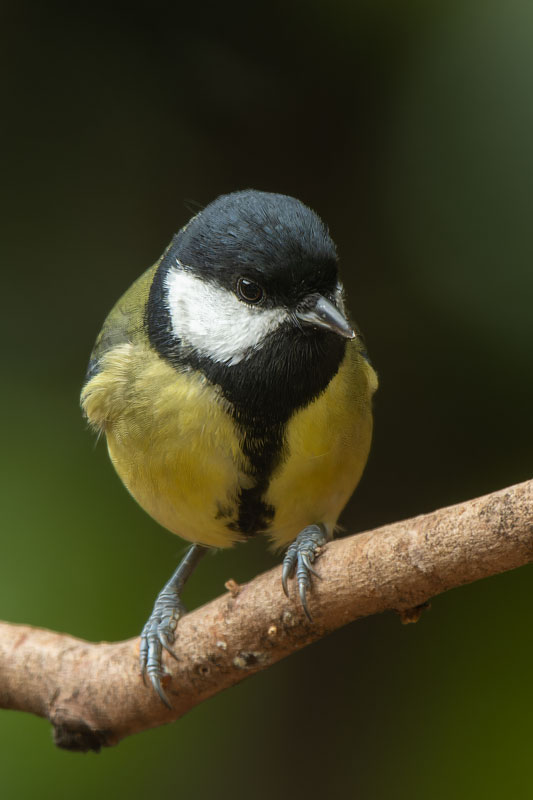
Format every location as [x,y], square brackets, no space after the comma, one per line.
[93,695]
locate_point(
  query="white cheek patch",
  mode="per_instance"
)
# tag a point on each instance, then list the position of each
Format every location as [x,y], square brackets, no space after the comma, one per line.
[213,321]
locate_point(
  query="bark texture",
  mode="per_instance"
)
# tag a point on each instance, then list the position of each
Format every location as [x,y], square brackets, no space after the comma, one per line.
[94,697]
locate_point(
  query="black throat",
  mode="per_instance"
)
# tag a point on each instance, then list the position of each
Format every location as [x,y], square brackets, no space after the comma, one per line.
[287,373]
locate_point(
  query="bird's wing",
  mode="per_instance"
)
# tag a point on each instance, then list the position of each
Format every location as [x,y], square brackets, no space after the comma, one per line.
[124,323]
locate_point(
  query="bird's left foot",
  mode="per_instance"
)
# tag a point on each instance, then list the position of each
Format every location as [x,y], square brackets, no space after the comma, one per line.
[300,556]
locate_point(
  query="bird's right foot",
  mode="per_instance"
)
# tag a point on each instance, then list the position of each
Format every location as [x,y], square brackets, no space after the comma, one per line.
[159,634]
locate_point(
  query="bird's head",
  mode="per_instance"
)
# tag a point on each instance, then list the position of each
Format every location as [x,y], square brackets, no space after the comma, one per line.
[249,267]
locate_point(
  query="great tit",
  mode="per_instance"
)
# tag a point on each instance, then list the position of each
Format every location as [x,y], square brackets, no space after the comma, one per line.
[235,395]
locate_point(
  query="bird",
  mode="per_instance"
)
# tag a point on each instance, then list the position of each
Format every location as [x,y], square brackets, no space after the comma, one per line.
[235,394]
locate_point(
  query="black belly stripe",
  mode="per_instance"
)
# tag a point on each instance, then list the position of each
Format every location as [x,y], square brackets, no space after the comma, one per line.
[264,450]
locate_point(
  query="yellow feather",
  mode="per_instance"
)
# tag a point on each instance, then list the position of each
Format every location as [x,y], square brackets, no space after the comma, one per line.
[327,448]
[178,451]
[171,441]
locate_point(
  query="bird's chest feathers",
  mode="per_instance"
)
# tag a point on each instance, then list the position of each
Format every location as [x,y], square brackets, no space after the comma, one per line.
[179,450]
[174,445]
[326,446]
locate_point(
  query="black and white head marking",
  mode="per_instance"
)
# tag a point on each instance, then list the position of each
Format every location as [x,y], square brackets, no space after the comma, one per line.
[211,320]
[266,362]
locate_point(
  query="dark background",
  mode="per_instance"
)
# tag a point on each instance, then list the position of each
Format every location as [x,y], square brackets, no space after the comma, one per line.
[409,128]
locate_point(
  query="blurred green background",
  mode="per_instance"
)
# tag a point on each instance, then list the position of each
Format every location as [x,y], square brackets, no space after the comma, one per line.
[409,128]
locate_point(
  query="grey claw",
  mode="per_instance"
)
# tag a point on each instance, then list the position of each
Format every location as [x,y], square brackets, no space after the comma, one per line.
[158,635]
[285,575]
[143,658]
[289,563]
[310,568]
[165,644]
[156,683]
[300,557]
[303,600]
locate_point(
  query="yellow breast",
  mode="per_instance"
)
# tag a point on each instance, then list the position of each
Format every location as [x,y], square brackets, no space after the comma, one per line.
[171,442]
[327,445]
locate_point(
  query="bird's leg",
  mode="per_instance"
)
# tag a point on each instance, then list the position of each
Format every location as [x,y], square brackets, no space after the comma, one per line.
[159,631]
[300,556]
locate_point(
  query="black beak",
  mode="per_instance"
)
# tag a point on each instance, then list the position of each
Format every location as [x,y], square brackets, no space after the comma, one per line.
[323,314]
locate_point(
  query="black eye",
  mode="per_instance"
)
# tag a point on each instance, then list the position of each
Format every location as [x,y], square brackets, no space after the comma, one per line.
[249,291]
